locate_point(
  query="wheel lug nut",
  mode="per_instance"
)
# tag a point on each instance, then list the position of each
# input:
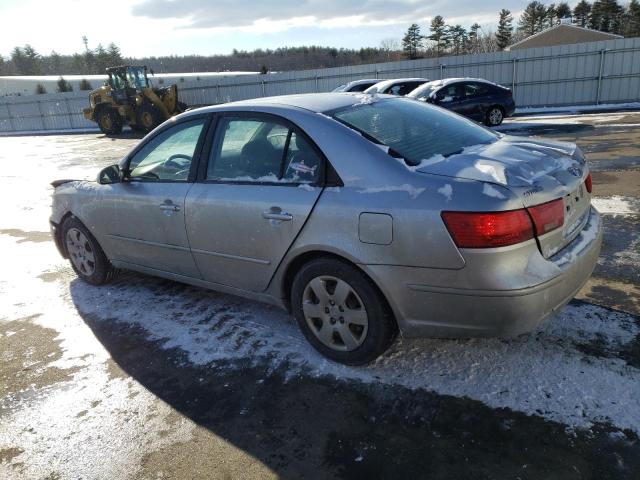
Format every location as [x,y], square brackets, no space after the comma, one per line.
[326,309]
[341,319]
[332,321]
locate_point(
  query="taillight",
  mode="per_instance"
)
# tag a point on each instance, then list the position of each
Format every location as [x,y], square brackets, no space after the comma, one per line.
[547,216]
[588,183]
[488,229]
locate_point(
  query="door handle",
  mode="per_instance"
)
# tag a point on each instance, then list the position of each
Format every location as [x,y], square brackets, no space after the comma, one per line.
[282,216]
[169,207]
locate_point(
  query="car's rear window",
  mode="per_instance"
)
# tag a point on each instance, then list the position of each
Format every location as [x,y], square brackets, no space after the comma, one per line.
[414,130]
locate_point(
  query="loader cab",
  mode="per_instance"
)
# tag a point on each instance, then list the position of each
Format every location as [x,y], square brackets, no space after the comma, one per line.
[127,81]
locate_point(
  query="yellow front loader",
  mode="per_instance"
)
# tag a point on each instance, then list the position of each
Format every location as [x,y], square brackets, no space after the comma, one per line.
[127,98]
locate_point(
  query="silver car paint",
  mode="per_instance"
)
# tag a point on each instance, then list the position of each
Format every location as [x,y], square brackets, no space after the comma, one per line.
[432,287]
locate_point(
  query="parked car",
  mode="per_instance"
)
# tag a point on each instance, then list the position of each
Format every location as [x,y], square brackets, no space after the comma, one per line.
[363,215]
[396,86]
[474,98]
[356,85]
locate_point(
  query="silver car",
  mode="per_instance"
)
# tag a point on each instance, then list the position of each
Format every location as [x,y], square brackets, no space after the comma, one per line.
[396,86]
[363,215]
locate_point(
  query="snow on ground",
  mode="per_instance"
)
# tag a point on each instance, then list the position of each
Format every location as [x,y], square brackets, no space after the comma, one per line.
[578,108]
[545,373]
[617,205]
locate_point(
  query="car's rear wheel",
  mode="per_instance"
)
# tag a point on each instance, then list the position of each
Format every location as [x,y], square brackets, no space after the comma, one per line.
[86,257]
[494,116]
[341,312]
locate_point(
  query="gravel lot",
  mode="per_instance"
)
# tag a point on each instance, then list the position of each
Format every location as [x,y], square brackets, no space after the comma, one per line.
[147,378]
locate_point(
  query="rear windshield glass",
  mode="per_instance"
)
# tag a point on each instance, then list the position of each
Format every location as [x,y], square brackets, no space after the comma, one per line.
[413,130]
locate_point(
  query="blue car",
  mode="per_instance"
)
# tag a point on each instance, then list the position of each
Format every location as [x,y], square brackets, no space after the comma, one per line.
[477,99]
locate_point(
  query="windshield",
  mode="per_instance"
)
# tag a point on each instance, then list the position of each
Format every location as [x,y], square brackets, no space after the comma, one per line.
[423,91]
[137,78]
[340,88]
[412,130]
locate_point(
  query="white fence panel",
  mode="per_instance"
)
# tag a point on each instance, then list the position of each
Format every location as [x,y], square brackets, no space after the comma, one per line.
[585,73]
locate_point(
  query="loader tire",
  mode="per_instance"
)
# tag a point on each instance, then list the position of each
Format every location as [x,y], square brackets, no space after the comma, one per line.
[109,121]
[148,117]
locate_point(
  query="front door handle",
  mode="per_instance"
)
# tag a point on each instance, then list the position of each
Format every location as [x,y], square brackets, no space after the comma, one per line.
[277,215]
[169,207]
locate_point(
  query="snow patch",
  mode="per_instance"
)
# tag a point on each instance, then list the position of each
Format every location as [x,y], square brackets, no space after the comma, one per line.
[413,192]
[447,191]
[616,205]
[491,191]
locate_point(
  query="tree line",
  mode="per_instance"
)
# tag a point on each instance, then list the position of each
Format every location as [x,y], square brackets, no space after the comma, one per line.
[441,39]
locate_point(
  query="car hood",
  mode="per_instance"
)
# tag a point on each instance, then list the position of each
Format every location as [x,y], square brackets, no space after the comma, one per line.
[510,161]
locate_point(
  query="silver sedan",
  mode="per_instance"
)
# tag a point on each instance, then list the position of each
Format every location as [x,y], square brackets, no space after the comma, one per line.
[363,215]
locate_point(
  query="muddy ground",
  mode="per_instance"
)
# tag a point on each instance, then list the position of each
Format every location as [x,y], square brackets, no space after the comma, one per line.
[147,378]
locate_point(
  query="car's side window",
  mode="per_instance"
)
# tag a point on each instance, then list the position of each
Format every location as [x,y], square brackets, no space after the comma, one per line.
[167,156]
[449,93]
[302,163]
[474,90]
[262,151]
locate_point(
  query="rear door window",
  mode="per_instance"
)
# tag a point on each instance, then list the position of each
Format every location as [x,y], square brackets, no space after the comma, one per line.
[261,150]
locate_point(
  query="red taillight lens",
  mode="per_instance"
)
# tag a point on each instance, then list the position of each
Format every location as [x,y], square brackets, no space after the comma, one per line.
[547,216]
[485,230]
[588,183]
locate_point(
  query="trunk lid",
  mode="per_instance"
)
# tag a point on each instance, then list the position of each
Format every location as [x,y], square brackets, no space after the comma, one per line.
[537,170]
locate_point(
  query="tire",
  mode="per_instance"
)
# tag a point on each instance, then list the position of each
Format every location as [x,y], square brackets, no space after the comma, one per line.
[109,121]
[358,327]
[148,117]
[85,254]
[494,116]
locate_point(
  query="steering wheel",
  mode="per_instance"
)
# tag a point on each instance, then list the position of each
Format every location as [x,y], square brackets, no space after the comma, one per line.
[172,160]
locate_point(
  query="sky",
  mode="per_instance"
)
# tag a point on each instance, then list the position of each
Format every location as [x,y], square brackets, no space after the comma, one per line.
[205,27]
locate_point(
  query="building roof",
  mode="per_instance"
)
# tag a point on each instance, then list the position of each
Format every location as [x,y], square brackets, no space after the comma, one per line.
[562,34]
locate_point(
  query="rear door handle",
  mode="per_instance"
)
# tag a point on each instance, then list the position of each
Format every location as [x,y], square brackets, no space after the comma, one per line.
[282,216]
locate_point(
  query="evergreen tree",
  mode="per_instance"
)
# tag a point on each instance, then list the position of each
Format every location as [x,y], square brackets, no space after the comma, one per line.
[505,29]
[439,34]
[64,86]
[473,38]
[412,41]
[459,38]
[264,69]
[606,16]
[581,13]
[85,85]
[550,17]
[114,54]
[632,28]
[533,18]
[55,62]
[40,90]
[563,10]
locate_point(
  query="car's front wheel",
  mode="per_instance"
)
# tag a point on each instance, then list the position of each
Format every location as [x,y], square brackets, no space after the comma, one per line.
[494,116]
[86,257]
[341,312]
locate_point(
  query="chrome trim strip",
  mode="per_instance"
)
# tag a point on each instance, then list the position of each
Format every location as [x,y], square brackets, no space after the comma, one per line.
[232,257]
[147,242]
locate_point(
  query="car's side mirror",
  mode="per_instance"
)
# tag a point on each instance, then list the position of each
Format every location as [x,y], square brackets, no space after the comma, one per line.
[111,174]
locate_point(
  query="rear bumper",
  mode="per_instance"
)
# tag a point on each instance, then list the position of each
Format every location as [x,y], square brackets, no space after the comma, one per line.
[427,310]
